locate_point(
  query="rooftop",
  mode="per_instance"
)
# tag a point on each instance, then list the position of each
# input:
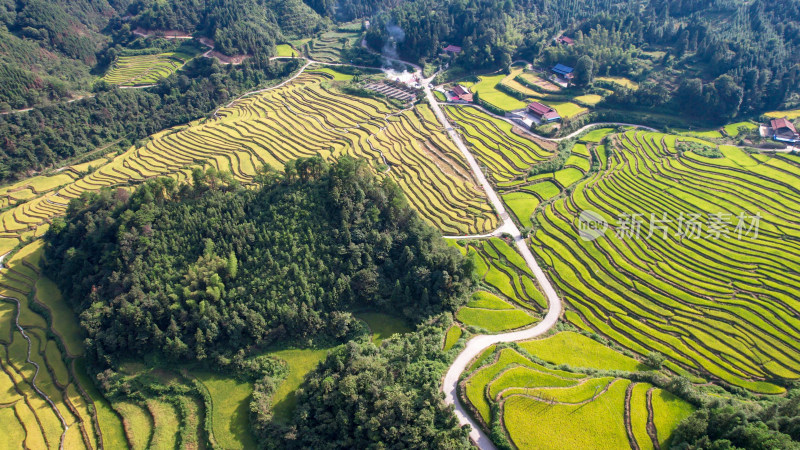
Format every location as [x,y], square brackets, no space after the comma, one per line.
[565,40]
[562,69]
[539,108]
[777,124]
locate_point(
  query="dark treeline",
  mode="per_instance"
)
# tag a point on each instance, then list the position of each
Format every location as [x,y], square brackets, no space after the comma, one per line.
[47,48]
[237,26]
[770,424]
[199,273]
[47,136]
[346,10]
[685,57]
[398,402]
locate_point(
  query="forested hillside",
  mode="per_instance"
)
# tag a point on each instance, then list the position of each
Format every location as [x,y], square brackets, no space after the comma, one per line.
[237,26]
[48,48]
[202,272]
[47,136]
[709,59]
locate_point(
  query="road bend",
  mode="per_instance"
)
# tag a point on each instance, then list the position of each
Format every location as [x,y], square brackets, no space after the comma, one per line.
[481,342]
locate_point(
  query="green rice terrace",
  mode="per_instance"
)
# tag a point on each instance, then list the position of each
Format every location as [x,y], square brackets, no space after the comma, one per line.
[718,307]
[510,299]
[514,90]
[570,391]
[329,45]
[140,70]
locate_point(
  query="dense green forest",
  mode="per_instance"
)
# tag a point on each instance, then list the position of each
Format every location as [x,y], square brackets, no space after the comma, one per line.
[51,50]
[398,403]
[48,48]
[204,271]
[774,423]
[47,136]
[237,26]
[709,59]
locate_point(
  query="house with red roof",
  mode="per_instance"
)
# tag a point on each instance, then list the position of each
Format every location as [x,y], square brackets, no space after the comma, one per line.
[542,112]
[565,40]
[460,93]
[783,130]
[452,49]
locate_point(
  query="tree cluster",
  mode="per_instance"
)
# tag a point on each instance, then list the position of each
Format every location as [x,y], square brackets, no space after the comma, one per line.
[363,396]
[745,425]
[237,26]
[47,136]
[201,272]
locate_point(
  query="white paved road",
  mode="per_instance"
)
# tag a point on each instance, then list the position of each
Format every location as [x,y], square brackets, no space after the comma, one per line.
[479,343]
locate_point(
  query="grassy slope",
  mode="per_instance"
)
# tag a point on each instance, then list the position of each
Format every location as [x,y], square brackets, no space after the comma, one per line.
[578,350]
[301,362]
[230,417]
[383,325]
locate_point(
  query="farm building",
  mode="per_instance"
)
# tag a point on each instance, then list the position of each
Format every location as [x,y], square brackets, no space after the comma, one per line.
[565,40]
[454,49]
[784,131]
[542,112]
[461,93]
[562,71]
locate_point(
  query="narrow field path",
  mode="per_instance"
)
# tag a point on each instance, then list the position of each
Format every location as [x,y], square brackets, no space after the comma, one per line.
[479,343]
[29,361]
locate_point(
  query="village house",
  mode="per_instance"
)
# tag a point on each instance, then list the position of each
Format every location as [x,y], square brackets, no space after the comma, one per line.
[542,112]
[562,71]
[460,93]
[784,131]
[562,74]
[453,49]
[565,40]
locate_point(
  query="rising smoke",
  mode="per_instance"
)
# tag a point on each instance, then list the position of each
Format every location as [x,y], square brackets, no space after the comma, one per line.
[396,36]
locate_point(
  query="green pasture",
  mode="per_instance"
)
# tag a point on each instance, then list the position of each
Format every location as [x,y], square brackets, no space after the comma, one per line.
[577,350]
[382,326]
[230,406]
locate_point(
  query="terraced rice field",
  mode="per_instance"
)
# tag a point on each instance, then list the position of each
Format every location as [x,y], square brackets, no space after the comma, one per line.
[733,129]
[285,50]
[566,109]
[510,297]
[328,47]
[539,406]
[721,308]
[383,326]
[29,418]
[488,92]
[704,134]
[453,335]
[139,70]
[505,154]
[791,114]
[589,99]
[299,119]
[533,79]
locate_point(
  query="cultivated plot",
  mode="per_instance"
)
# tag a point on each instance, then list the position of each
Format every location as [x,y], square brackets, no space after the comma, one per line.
[702,289]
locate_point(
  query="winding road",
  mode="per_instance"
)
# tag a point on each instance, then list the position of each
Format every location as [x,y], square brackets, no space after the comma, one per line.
[479,343]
